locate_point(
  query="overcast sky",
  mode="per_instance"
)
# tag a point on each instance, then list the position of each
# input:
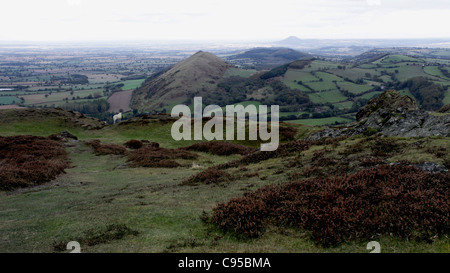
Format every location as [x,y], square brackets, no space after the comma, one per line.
[84,20]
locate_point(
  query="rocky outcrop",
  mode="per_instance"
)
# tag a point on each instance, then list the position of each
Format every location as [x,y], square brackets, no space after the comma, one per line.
[392,114]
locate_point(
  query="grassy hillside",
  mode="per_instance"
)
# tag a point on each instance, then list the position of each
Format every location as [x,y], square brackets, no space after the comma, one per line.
[195,75]
[110,206]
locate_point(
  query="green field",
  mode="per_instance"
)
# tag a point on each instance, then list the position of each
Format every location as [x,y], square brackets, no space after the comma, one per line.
[406,72]
[320,121]
[354,88]
[447,97]
[8,100]
[295,85]
[322,86]
[319,64]
[286,114]
[298,75]
[132,84]
[245,73]
[355,73]
[371,95]
[344,105]
[434,71]
[327,96]
[59,97]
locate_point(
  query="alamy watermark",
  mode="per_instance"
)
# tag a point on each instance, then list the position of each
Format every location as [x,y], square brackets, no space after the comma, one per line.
[374,246]
[74,246]
[258,125]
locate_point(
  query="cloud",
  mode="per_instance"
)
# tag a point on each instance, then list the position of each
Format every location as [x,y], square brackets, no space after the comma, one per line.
[214,19]
[73,2]
[374,2]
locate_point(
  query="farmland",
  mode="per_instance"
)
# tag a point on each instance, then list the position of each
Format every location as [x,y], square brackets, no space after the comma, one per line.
[70,79]
[58,77]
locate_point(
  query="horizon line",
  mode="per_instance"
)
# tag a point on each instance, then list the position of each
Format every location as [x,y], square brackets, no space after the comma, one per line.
[174,40]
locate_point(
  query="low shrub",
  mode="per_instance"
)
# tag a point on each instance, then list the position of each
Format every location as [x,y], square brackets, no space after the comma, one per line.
[370,161]
[220,148]
[312,171]
[63,136]
[285,149]
[133,144]
[386,200]
[208,176]
[447,163]
[330,141]
[106,149]
[353,149]
[383,146]
[30,160]
[437,151]
[370,131]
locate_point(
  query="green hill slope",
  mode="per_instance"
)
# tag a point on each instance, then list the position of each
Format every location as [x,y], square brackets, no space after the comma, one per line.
[194,76]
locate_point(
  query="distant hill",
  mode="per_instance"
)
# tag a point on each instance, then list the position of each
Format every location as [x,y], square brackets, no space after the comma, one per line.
[415,52]
[267,58]
[290,41]
[194,76]
[369,56]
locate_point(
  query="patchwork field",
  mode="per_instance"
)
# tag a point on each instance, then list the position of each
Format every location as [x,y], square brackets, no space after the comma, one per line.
[55,77]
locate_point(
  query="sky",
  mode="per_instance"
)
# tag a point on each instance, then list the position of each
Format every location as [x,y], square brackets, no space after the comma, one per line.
[234,20]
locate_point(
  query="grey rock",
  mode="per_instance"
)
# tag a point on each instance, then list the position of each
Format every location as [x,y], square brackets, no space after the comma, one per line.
[392,115]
